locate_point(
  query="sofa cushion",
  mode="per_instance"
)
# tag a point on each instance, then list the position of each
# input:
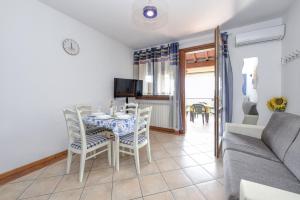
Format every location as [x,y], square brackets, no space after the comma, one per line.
[292,157]
[280,132]
[246,144]
[238,165]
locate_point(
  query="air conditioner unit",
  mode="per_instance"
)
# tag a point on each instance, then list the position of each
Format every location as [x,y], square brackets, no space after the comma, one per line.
[261,35]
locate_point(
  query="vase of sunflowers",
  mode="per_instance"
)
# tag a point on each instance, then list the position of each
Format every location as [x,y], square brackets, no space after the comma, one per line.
[277,104]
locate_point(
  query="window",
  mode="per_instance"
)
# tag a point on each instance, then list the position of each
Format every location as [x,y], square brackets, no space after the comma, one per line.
[157,68]
[158,78]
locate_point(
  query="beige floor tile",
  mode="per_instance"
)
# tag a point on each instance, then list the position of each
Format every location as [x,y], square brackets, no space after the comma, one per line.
[12,191]
[191,150]
[188,193]
[75,166]
[126,160]
[97,192]
[153,140]
[173,145]
[60,167]
[210,154]
[205,147]
[100,176]
[202,158]
[212,190]
[70,182]
[28,177]
[67,195]
[142,156]
[152,184]
[197,174]
[156,147]
[57,169]
[160,196]
[100,163]
[160,154]
[164,138]
[125,172]
[215,169]
[176,152]
[185,161]
[167,164]
[176,179]
[43,197]
[126,189]
[148,168]
[41,187]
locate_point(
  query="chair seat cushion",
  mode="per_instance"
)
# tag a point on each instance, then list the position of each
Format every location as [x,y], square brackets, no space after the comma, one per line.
[91,141]
[238,165]
[91,130]
[246,144]
[128,139]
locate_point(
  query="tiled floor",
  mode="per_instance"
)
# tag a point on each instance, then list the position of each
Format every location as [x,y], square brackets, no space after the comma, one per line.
[183,168]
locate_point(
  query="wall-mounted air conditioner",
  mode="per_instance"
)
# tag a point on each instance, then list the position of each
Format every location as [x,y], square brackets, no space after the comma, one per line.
[261,35]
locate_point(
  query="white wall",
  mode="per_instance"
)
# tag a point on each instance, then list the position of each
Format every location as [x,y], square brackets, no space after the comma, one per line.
[38,79]
[291,71]
[268,70]
[197,40]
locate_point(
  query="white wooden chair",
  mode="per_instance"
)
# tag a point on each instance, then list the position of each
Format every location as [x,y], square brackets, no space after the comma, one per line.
[131,143]
[131,108]
[82,144]
[85,111]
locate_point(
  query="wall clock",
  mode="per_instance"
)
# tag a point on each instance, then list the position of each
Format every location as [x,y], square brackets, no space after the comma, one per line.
[71,47]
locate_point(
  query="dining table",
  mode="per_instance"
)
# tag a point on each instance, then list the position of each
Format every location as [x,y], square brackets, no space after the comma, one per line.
[117,125]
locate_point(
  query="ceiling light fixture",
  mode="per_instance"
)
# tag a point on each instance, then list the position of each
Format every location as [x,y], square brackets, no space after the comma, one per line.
[150,14]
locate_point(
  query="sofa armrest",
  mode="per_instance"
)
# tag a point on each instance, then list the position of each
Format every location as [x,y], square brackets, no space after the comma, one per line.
[255,191]
[245,129]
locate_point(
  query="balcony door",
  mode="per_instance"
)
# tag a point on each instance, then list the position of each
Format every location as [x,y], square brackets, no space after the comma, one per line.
[219,117]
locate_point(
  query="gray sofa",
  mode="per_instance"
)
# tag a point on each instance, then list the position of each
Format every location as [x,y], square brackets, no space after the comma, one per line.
[266,155]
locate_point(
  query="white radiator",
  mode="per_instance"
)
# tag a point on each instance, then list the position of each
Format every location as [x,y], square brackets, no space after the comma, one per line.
[162,112]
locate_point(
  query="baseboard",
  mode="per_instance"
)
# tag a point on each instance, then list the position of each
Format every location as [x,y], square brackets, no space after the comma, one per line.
[164,130]
[26,169]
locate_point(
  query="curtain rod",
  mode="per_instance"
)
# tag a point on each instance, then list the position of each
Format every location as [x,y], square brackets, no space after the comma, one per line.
[155,46]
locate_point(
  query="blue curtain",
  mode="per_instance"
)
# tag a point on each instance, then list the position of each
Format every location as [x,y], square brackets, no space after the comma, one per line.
[174,61]
[161,64]
[227,80]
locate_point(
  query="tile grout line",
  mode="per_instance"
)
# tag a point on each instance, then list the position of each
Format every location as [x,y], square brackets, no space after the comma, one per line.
[83,188]
[26,188]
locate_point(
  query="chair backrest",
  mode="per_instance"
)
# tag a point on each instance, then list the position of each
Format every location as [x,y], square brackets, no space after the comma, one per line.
[142,125]
[131,108]
[198,108]
[84,109]
[75,126]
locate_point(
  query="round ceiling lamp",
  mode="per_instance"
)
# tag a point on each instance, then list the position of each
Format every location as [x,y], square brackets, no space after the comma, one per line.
[150,14]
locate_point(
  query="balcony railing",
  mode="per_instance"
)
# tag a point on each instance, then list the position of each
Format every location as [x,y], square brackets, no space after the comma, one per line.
[191,101]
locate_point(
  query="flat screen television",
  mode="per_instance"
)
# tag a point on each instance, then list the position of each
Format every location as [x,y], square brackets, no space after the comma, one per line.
[127,87]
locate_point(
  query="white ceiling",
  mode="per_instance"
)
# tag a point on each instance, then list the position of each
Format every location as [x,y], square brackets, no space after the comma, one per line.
[186,17]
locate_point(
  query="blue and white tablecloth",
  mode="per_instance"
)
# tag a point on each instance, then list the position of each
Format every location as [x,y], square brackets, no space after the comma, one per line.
[119,127]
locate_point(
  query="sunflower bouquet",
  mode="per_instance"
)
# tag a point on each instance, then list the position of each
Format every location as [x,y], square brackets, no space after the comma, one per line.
[277,104]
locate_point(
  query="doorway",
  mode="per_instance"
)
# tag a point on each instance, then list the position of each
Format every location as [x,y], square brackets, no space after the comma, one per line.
[198,94]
